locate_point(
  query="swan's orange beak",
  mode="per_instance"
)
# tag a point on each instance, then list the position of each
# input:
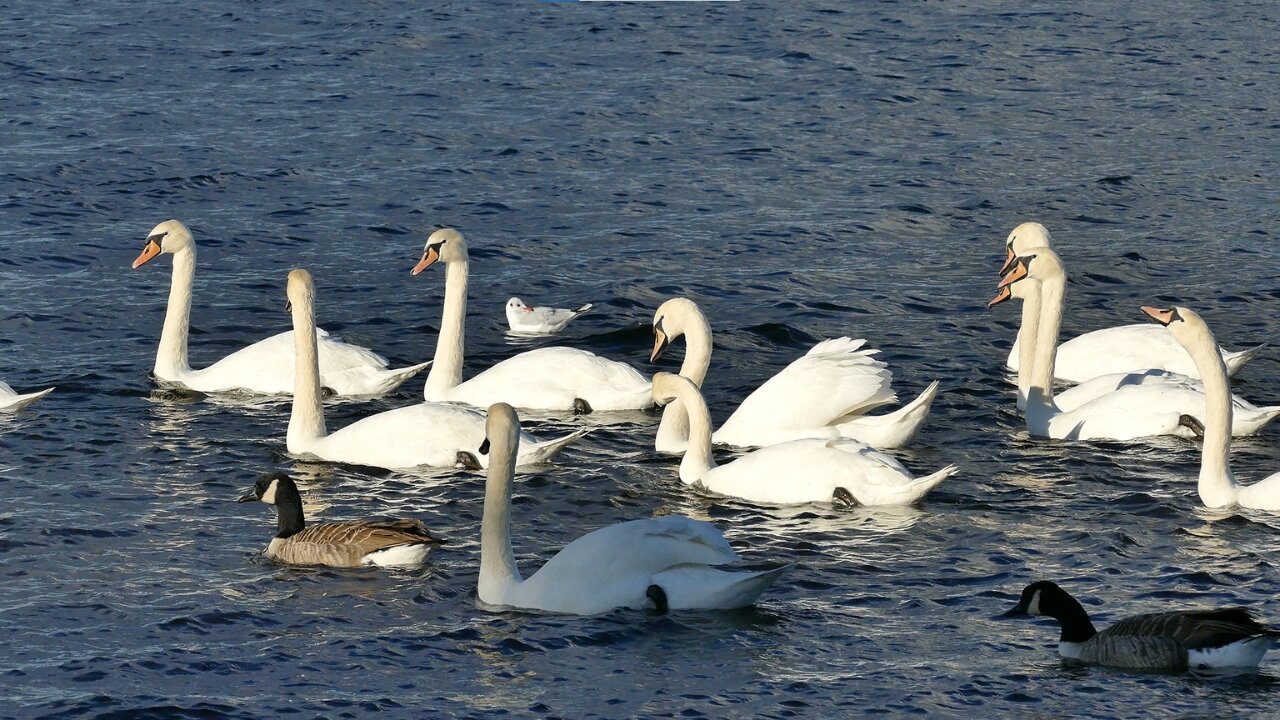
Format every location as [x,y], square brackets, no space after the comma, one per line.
[1018,272]
[150,250]
[429,258]
[660,342]
[1002,294]
[1009,258]
[1164,317]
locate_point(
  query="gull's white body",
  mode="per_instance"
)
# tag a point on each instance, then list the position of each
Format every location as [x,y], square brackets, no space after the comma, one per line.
[265,367]
[794,472]
[427,434]
[554,378]
[824,394]
[608,568]
[529,320]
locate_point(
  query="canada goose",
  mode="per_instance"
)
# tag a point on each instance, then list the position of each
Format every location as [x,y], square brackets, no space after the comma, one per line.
[1172,641]
[351,543]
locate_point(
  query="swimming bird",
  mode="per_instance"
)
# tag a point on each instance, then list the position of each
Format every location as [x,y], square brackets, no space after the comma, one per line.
[1121,349]
[350,543]
[427,434]
[1217,485]
[1127,412]
[549,378]
[666,563]
[527,320]
[1169,641]
[12,401]
[826,393]
[837,470]
[264,367]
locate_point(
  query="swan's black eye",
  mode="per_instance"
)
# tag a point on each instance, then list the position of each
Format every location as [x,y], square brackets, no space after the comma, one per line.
[158,239]
[1175,316]
[657,325]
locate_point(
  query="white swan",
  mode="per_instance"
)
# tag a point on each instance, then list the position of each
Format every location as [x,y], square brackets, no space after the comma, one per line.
[1131,412]
[528,320]
[426,434]
[824,394]
[267,365]
[1120,349]
[1217,484]
[800,471]
[552,378]
[12,401]
[667,562]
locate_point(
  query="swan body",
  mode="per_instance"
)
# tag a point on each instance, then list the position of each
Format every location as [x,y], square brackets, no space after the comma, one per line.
[528,320]
[12,401]
[266,366]
[1134,410]
[824,394]
[1115,350]
[554,378]
[427,434]
[1168,641]
[338,544]
[794,472]
[669,562]
[1217,484]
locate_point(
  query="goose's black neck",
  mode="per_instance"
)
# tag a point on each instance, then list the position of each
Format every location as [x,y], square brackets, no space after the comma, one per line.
[288,509]
[1070,614]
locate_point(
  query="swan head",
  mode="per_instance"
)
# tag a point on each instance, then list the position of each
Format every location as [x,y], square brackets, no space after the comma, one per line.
[1026,274]
[170,236]
[1183,322]
[445,245]
[501,437]
[268,487]
[667,387]
[301,291]
[670,321]
[1021,240]
[515,304]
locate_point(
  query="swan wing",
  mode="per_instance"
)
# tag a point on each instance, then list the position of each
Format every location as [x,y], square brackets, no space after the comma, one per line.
[552,378]
[267,366]
[836,379]
[426,434]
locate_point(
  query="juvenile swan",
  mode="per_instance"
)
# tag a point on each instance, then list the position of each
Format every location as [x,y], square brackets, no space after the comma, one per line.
[665,562]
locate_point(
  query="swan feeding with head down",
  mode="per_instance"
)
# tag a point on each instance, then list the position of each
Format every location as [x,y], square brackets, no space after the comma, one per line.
[824,394]
[264,367]
[550,378]
[667,563]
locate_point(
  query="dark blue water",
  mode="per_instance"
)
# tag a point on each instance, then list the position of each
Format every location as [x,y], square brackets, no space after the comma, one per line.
[802,170]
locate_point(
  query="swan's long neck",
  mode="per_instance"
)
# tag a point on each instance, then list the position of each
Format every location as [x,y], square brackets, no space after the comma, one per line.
[171,356]
[306,422]
[697,461]
[498,570]
[1217,484]
[673,429]
[1027,344]
[1040,389]
[446,370]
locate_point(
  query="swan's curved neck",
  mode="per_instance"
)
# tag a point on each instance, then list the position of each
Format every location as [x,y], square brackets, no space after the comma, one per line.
[673,429]
[697,461]
[498,570]
[1027,343]
[306,421]
[1040,387]
[446,370]
[1216,485]
[171,356]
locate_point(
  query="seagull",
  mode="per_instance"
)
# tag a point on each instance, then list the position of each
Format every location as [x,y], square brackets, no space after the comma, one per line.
[526,320]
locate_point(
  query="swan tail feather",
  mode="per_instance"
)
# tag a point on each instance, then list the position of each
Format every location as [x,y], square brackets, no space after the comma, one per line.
[392,379]
[689,587]
[892,430]
[583,309]
[1237,360]
[18,402]
[542,452]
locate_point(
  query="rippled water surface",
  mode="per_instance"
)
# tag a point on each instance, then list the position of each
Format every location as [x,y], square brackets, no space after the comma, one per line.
[801,170]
